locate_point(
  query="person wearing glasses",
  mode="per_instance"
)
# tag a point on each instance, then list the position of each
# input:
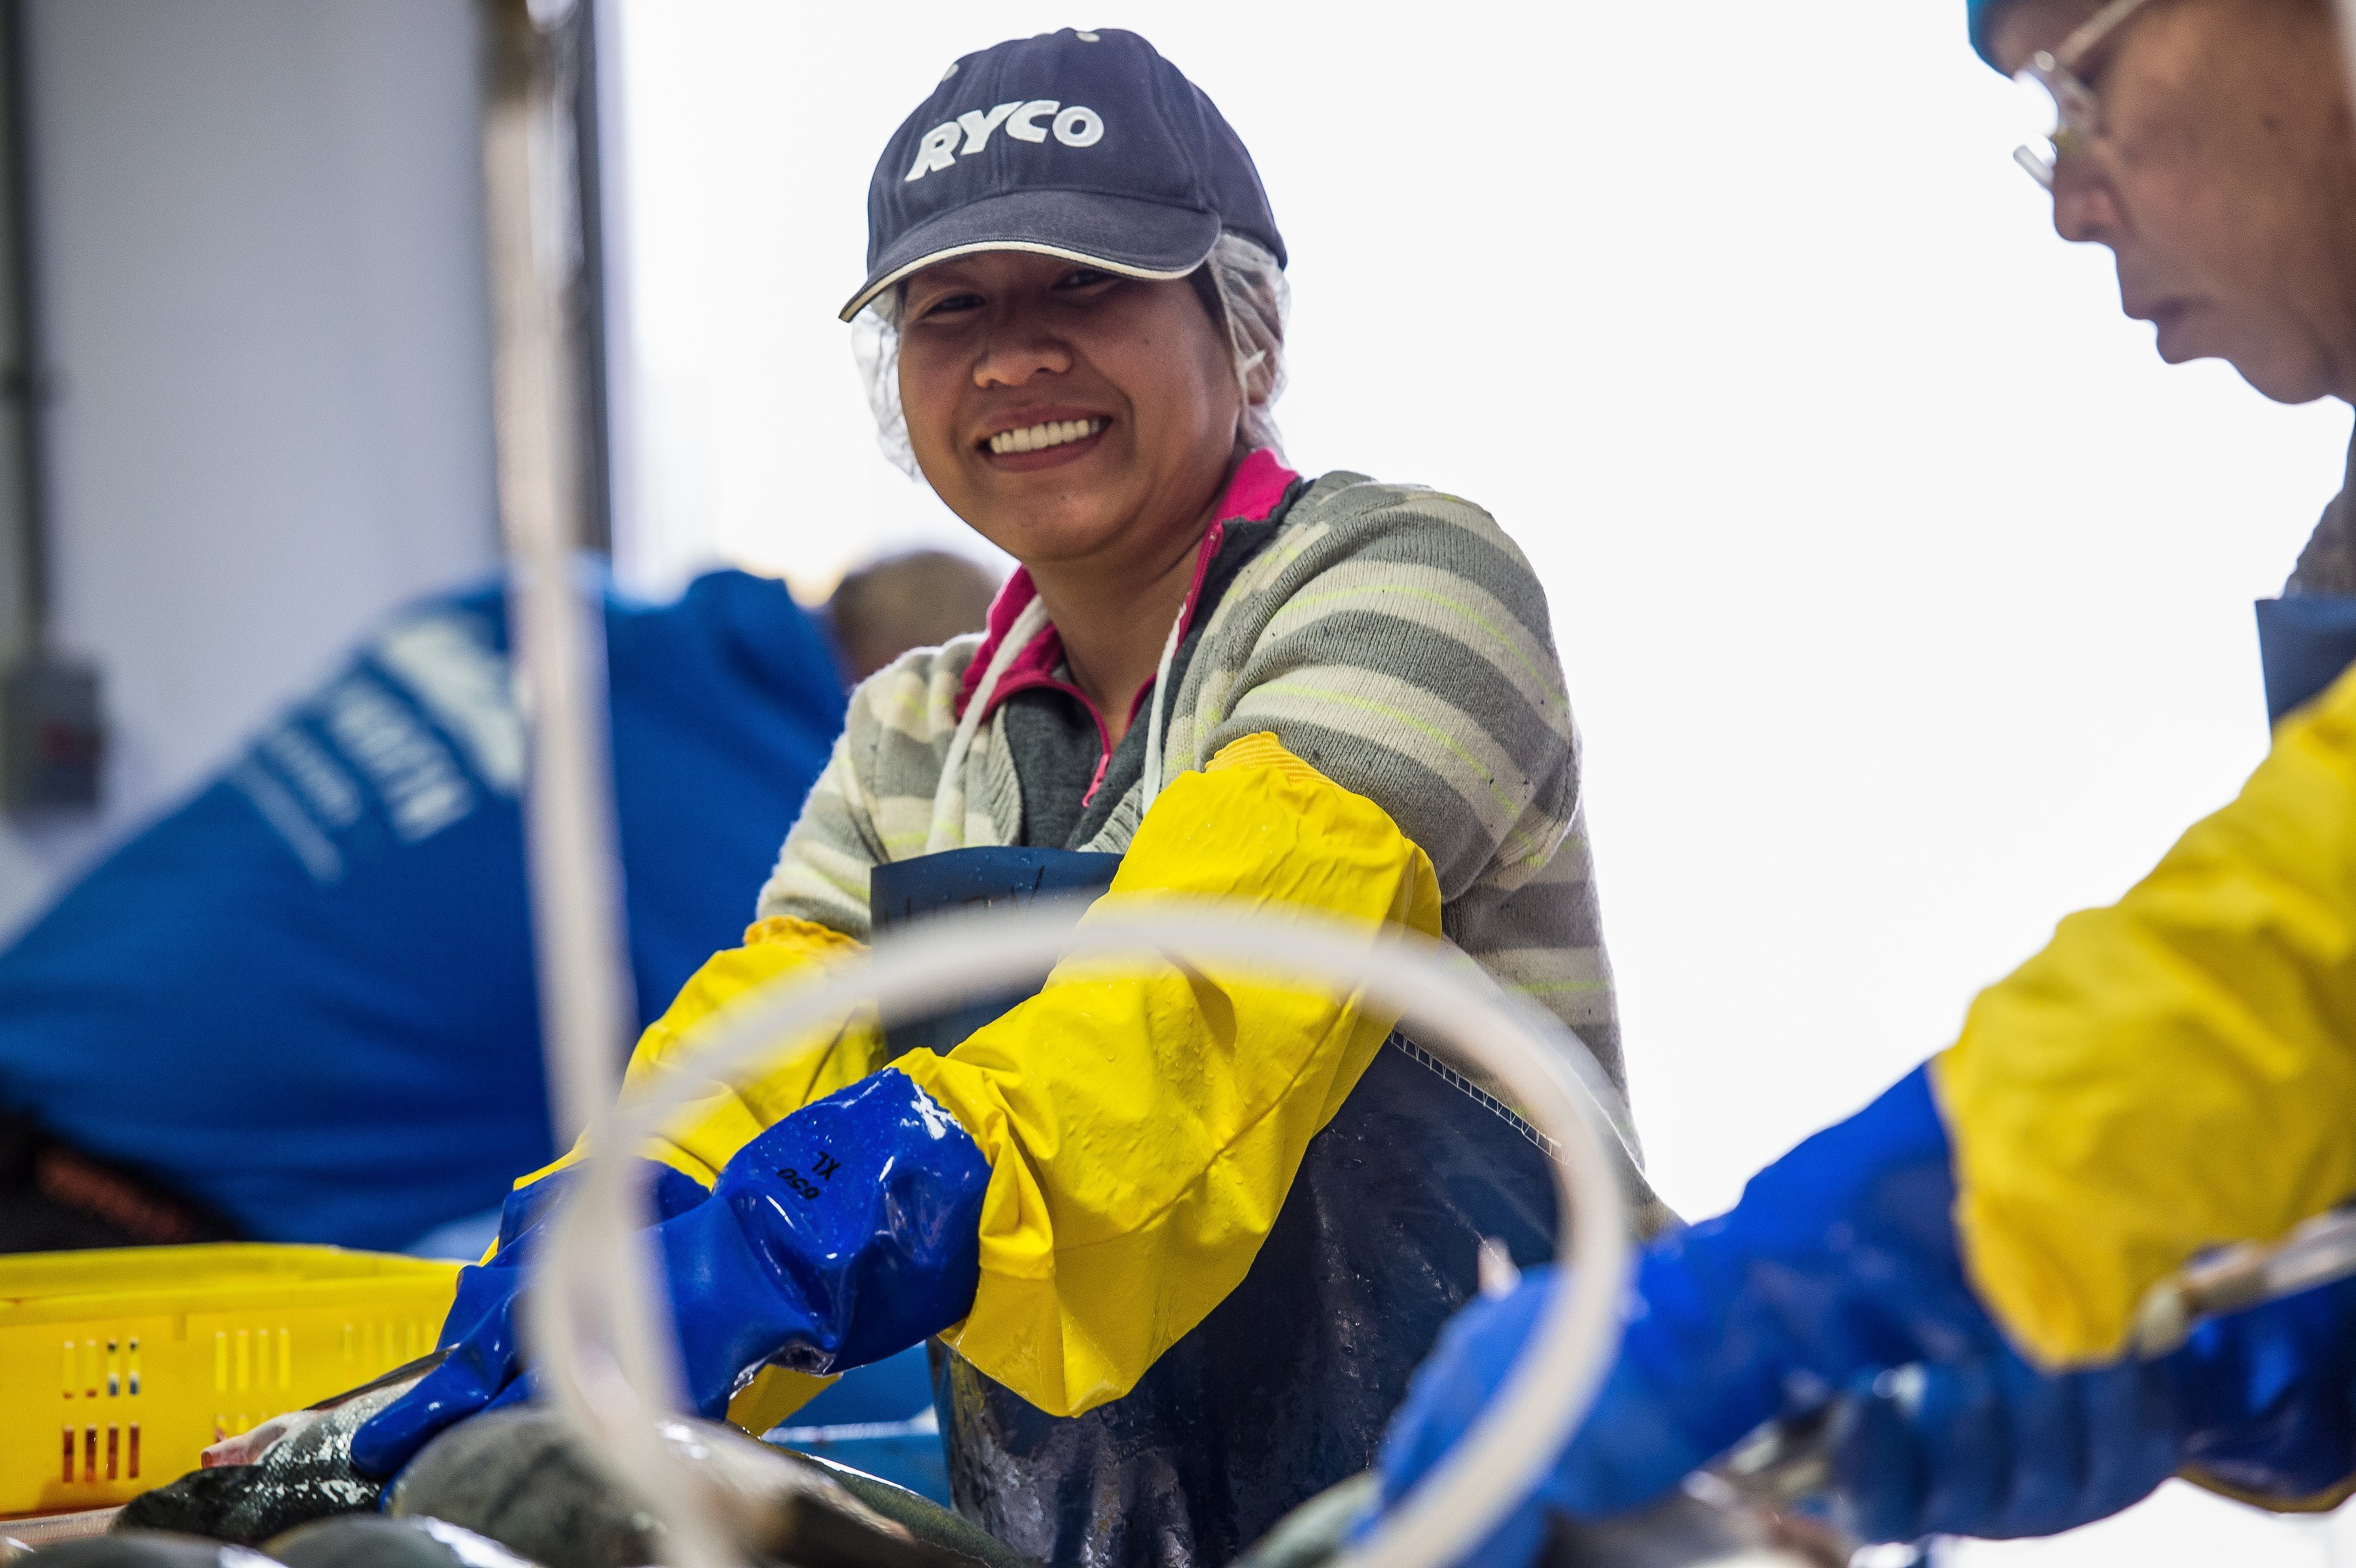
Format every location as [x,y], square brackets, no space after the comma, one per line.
[1967,1275]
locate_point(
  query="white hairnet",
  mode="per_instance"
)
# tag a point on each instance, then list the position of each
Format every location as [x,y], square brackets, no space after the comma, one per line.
[1255,300]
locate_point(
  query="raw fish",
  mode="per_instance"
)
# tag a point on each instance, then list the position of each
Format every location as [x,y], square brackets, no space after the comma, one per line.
[305,1474]
[372,1541]
[523,1478]
[145,1549]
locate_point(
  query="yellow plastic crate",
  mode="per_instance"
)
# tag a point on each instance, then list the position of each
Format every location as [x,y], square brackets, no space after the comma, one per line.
[118,1368]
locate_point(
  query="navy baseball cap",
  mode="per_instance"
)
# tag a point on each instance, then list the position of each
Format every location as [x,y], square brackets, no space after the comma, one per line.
[1083,144]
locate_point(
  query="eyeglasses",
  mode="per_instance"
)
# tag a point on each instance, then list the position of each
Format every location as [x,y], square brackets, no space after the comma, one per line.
[2059,98]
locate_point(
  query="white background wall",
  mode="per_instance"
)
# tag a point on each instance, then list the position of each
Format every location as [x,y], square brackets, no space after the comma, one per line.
[261,248]
[1904,595]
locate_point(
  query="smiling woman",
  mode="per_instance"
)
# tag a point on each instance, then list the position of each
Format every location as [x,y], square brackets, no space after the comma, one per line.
[1086,423]
[1182,1235]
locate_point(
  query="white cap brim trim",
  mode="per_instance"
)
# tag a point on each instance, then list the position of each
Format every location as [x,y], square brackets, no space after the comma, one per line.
[866,296]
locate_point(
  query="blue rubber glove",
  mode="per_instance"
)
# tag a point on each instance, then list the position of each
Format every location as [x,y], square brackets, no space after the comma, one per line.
[847,1232]
[1475,1350]
[1994,1448]
[2262,1402]
[2259,1401]
[1986,1447]
[483,1332]
[1839,1273]
[2271,1402]
[1839,1263]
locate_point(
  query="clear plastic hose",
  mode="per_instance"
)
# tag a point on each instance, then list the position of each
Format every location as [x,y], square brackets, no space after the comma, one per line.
[599,1314]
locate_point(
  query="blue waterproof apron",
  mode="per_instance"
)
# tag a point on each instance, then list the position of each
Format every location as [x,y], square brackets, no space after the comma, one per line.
[1283,1389]
[2305,640]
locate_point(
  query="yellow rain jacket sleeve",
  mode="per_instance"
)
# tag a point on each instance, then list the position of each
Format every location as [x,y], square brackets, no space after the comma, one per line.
[2176,1071]
[1143,1128]
[708,1134]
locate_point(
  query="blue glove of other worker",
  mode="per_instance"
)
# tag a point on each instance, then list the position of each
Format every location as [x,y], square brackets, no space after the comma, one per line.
[1839,1273]
[1993,1447]
[1839,1262]
[847,1232]
[2258,1402]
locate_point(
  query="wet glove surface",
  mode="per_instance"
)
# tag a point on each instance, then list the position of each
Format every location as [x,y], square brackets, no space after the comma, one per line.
[2258,1402]
[1838,1274]
[1994,1448]
[845,1233]
[2270,1398]
[483,1332]
[1840,1262]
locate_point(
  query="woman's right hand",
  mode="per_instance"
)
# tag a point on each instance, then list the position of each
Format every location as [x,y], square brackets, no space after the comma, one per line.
[485,1369]
[844,1233]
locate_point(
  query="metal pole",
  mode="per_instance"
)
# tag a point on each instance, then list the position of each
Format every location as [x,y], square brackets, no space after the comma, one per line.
[52,727]
[587,300]
[25,383]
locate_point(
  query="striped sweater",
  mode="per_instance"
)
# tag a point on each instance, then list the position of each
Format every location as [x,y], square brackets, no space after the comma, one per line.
[1391,636]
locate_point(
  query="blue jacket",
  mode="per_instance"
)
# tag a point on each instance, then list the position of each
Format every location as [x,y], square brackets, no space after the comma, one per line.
[305,998]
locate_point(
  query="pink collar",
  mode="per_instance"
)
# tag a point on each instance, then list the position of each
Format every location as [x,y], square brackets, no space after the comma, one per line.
[1259,482]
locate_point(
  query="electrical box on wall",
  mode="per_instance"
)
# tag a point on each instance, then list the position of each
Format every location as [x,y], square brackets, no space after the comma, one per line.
[52,736]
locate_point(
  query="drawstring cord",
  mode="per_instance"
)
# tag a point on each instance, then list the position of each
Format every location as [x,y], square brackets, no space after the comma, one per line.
[1153,779]
[948,828]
